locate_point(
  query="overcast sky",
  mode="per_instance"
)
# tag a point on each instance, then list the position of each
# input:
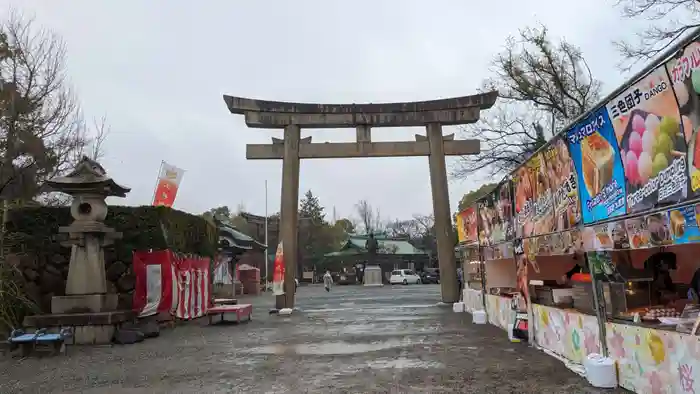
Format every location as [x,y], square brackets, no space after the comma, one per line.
[158,69]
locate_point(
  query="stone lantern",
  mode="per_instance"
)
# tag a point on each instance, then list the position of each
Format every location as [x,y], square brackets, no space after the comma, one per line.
[86,307]
[86,287]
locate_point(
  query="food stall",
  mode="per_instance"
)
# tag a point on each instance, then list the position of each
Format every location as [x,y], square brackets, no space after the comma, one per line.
[472,292]
[604,226]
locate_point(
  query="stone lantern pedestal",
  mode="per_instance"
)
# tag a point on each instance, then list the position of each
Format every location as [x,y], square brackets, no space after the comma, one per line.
[86,305]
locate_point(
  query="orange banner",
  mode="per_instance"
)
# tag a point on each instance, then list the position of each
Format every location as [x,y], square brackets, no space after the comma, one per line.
[169,180]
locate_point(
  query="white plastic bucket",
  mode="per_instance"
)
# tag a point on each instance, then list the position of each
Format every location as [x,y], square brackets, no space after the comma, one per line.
[458,307]
[479,317]
[600,371]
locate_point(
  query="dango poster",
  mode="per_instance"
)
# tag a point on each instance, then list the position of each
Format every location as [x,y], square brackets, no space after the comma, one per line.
[601,178]
[684,73]
[648,129]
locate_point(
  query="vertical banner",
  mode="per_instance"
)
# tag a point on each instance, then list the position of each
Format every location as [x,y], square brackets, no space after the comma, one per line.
[486,219]
[525,185]
[543,210]
[562,177]
[278,271]
[467,226]
[153,289]
[601,178]
[169,180]
[504,213]
[652,145]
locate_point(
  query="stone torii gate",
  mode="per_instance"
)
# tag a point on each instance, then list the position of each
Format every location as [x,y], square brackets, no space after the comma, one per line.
[363,117]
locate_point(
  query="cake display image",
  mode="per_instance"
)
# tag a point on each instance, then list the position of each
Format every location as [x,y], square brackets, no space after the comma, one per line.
[684,225]
[658,225]
[638,233]
[597,160]
[600,176]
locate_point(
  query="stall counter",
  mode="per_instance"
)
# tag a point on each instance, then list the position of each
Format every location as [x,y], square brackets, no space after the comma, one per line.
[473,300]
[566,332]
[654,361]
[499,311]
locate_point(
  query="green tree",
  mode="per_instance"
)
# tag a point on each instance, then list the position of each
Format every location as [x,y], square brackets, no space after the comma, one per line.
[471,197]
[345,225]
[542,86]
[316,236]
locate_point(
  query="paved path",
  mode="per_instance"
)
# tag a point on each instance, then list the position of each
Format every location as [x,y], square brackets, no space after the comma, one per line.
[351,340]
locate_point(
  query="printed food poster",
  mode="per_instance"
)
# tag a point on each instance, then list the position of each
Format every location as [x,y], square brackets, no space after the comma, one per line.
[534,189]
[466,225]
[524,195]
[652,145]
[659,229]
[562,176]
[486,215]
[684,71]
[504,213]
[601,178]
[684,225]
[638,233]
[606,236]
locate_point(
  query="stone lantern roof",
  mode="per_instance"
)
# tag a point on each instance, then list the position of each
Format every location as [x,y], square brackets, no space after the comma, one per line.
[88,177]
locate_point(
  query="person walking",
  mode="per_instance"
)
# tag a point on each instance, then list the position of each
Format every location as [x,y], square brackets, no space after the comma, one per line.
[327,281]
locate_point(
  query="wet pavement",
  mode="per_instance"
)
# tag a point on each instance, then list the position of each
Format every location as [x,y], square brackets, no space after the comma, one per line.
[351,340]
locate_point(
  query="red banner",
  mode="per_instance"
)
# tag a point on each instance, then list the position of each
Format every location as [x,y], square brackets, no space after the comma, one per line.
[194,293]
[154,290]
[278,271]
[169,179]
[167,283]
[165,193]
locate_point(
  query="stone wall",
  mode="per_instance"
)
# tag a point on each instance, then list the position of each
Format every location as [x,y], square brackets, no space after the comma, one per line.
[33,246]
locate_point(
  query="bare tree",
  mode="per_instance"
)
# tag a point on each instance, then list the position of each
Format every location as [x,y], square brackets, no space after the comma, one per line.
[668,20]
[42,132]
[542,86]
[369,217]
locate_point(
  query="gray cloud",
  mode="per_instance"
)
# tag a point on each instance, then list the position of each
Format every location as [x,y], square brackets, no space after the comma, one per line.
[157,69]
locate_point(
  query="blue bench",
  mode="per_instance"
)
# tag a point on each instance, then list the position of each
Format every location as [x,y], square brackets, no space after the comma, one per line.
[39,340]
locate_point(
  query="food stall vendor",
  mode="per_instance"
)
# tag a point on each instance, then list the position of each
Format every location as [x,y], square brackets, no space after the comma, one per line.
[660,264]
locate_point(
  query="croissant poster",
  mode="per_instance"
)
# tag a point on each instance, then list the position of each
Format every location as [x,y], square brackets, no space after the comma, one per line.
[684,73]
[650,137]
[601,178]
[562,178]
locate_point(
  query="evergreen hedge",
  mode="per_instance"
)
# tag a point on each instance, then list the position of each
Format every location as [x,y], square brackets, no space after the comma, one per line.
[35,230]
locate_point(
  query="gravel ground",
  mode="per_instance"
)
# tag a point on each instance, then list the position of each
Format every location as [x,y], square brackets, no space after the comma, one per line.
[351,340]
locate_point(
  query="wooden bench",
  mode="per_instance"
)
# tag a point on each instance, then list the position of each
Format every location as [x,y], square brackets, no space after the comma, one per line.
[224,311]
[39,340]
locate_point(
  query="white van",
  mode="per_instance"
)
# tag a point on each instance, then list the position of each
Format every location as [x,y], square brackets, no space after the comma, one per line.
[404,277]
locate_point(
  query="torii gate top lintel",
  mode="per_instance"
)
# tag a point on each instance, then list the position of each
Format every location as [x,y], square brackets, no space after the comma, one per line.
[241,105]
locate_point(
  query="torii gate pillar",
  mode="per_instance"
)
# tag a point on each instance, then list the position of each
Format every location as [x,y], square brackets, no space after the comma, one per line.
[430,114]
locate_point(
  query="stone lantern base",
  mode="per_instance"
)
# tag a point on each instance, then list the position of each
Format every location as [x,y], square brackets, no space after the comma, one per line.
[88,328]
[86,303]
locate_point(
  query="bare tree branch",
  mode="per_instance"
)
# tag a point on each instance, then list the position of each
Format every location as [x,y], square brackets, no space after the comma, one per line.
[542,87]
[669,21]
